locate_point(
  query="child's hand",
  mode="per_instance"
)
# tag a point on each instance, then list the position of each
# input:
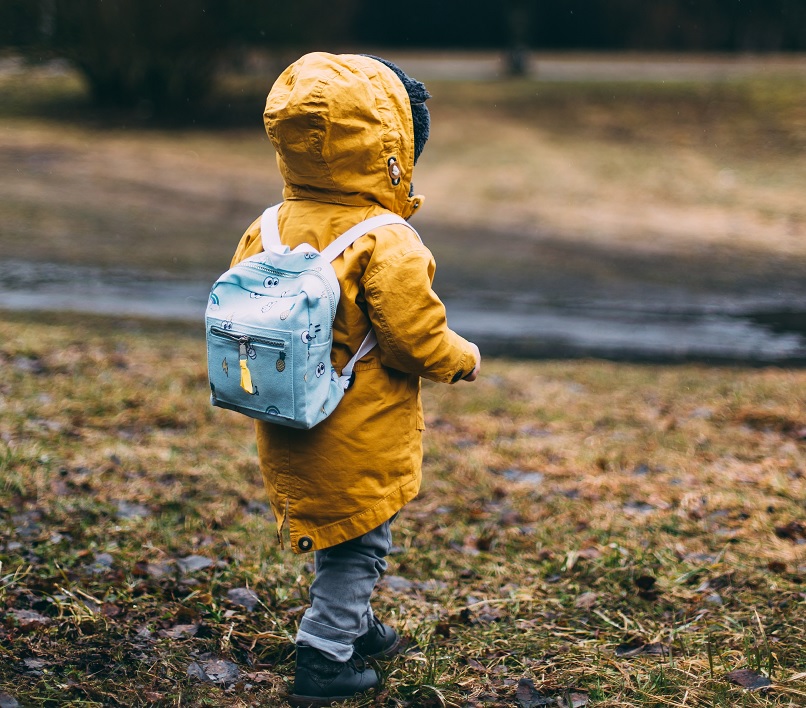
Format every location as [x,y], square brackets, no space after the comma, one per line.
[473,375]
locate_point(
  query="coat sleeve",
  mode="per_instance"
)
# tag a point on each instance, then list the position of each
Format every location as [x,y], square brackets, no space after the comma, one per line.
[410,320]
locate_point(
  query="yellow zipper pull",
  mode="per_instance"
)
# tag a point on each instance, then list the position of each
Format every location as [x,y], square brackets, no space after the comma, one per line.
[246,376]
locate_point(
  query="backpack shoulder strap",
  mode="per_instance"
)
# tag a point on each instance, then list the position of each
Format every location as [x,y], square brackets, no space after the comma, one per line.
[269,232]
[369,342]
[337,247]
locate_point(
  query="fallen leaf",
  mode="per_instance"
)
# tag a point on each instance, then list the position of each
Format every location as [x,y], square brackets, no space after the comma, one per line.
[590,553]
[220,670]
[190,564]
[397,583]
[158,570]
[748,679]
[110,610]
[516,475]
[638,507]
[586,601]
[196,671]
[475,665]
[573,699]
[7,701]
[656,649]
[178,631]
[260,676]
[28,619]
[637,648]
[29,365]
[706,558]
[244,597]
[529,697]
[128,510]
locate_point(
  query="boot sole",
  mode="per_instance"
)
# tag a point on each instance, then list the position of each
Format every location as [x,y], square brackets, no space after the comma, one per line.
[318,702]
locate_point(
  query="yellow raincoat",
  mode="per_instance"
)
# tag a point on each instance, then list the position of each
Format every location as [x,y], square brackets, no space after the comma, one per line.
[340,124]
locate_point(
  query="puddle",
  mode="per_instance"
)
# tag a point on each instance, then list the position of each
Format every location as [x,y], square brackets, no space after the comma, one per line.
[633,334]
[757,331]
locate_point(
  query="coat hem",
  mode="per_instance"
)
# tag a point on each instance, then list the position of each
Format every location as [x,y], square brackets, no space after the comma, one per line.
[358,524]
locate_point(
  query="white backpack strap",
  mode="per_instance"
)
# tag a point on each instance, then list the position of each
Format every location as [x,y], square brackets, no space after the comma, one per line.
[346,377]
[269,232]
[336,248]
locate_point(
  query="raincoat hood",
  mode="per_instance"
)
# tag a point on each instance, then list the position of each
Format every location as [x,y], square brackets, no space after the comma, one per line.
[343,132]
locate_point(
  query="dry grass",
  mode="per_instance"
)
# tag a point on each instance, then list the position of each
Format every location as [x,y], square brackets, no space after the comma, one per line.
[627,534]
[664,168]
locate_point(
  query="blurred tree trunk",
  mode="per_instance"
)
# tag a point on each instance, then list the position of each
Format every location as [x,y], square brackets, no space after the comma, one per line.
[519,15]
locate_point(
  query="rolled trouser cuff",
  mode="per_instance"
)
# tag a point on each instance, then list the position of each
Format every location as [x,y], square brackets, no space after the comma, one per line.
[336,644]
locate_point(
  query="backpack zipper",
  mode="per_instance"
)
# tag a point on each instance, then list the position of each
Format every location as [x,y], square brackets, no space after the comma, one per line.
[247,338]
[244,341]
[279,271]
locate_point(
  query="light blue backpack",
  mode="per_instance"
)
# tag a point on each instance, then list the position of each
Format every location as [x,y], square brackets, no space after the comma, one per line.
[269,327]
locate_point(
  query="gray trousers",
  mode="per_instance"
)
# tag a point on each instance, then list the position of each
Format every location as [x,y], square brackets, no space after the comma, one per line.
[345,578]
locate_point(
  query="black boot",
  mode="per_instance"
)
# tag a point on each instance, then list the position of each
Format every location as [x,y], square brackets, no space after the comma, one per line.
[319,681]
[380,641]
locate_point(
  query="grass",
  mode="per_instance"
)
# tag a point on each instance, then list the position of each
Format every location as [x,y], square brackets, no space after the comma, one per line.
[616,535]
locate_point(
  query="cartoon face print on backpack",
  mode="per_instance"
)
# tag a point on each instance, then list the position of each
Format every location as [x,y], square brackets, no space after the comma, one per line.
[271,281]
[320,369]
[310,334]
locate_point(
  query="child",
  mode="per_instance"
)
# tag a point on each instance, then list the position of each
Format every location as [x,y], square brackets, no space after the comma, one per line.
[348,130]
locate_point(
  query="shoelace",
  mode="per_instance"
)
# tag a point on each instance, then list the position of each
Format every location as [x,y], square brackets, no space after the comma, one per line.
[379,626]
[353,661]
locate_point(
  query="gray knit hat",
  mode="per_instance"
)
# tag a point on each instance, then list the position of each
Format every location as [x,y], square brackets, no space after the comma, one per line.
[418,95]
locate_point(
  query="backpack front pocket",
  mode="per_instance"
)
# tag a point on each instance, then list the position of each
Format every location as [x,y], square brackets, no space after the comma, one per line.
[250,373]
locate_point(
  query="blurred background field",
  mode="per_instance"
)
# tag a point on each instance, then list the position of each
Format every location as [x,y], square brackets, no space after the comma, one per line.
[694,156]
[664,191]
